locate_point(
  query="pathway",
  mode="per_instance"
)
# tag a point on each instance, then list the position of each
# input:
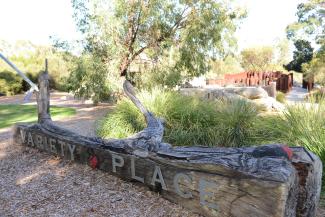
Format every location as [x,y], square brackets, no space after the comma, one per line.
[296,95]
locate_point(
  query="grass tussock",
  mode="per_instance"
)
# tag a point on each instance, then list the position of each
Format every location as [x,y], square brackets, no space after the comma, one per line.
[304,125]
[317,95]
[189,120]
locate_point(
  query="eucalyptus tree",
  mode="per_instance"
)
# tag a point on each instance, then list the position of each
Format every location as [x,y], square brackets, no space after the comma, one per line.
[303,54]
[257,58]
[311,26]
[121,31]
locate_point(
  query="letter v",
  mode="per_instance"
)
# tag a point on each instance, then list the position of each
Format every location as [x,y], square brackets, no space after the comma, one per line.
[22,135]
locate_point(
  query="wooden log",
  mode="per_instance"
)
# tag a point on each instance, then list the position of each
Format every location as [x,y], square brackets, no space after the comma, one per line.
[255,181]
[309,170]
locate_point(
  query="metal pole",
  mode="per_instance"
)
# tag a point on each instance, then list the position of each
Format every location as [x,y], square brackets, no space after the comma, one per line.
[34,86]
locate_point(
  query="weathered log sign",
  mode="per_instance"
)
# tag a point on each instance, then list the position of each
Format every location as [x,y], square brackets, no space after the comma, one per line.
[265,181]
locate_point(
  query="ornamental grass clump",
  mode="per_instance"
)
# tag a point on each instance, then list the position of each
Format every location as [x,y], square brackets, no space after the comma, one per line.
[301,124]
[305,126]
[188,120]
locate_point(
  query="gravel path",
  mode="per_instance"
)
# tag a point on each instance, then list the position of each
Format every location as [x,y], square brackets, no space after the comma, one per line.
[34,183]
[296,95]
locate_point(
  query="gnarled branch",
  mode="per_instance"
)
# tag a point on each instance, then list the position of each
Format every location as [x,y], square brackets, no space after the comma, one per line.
[154,131]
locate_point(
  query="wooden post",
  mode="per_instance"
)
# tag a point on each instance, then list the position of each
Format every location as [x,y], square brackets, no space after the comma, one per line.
[43,96]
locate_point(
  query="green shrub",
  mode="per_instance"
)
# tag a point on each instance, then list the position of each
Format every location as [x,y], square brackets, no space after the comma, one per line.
[89,79]
[280,97]
[268,129]
[189,120]
[238,119]
[3,87]
[299,125]
[318,95]
[11,83]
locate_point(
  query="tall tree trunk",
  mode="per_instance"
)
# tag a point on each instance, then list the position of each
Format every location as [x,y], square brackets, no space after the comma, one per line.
[124,65]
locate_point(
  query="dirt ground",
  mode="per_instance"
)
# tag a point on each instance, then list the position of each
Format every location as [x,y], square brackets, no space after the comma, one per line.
[34,183]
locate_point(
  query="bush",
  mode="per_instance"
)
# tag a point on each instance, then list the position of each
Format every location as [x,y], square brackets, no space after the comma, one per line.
[305,126]
[189,120]
[318,95]
[33,77]
[89,79]
[280,97]
[3,87]
[10,83]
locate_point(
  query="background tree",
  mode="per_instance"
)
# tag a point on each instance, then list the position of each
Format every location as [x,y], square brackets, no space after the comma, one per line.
[264,58]
[311,26]
[88,79]
[302,54]
[281,53]
[315,69]
[228,65]
[30,59]
[123,31]
[257,58]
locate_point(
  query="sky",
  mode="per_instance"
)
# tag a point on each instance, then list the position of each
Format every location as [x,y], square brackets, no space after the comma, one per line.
[266,21]
[36,20]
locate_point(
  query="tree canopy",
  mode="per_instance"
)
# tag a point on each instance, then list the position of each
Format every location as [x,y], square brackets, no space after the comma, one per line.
[310,24]
[257,58]
[121,31]
[302,54]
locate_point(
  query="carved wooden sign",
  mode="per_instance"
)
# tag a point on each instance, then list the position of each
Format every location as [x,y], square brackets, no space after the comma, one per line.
[264,181]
